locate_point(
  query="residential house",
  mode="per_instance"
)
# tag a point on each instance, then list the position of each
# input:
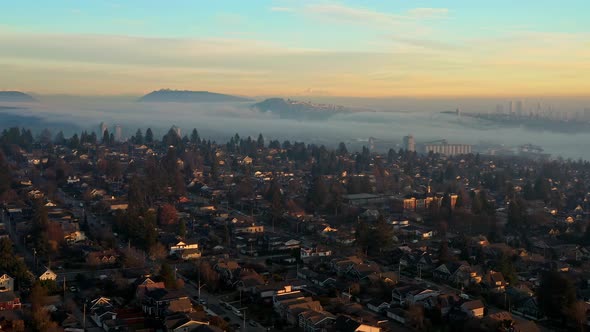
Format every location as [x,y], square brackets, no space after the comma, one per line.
[147,285]
[412,293]
[348,324]
[378,306]
[291,303]
[6,283]
[103,314]
[184,322]
[179,305]
[314,252]
[445,271]
[156,302]
[398,315]
[364,270]
[48,275]
[249,229]
[474,308]
[182,246]
[105,257]
[343,266]
[9,301]
[528,307]
[466,275]
[316,321]
[494,281]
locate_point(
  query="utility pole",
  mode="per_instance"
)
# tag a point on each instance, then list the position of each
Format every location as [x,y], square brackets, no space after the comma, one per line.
[84,317]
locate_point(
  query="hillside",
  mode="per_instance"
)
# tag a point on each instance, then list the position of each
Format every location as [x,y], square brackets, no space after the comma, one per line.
[15,97]
[185,96]
[291,109]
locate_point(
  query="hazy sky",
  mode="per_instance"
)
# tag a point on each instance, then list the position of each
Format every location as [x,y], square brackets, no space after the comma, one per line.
[297,47]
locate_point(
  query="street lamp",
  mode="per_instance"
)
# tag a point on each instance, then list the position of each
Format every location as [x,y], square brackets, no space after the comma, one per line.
[243,310]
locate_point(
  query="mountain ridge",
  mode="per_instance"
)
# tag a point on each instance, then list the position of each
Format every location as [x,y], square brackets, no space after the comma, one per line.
[15,97]
[188,96]
[292,109]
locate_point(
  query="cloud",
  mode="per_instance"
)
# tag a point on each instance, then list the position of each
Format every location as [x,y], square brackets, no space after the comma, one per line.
[281,9]
[428,12]
[351,14]
[361,15]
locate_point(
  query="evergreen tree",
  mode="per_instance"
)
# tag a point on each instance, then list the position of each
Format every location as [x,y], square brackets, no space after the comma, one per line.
[167,274]
[195,139]
[5,174]
[59,138]
[260,141]
[182,228]
[139,137]
[149,136]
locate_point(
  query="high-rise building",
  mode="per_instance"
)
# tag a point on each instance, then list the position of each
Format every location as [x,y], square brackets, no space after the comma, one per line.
[519,107]
[103,128]
[118,133]
[448,149]
[177,131]
[587,114]
[511,107]
[499,109]
[409,143]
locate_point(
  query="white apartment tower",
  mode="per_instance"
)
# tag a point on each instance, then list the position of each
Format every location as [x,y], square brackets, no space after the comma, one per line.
[409,143]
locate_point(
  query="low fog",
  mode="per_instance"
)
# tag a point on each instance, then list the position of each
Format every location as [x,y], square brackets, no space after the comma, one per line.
[220,121]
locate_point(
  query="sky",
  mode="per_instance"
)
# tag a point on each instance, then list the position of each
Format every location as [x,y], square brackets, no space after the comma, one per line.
[385,48]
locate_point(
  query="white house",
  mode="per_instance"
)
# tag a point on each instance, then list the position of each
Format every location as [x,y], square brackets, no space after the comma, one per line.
[181,246]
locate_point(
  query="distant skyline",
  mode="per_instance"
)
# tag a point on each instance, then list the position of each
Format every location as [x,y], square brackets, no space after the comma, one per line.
[297,47]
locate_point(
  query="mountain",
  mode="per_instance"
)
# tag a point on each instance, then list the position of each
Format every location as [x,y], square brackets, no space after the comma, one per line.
[185,96]
[15,97]
[292,109]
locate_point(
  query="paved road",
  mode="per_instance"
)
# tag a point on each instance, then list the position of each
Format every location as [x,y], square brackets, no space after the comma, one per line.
[214,303]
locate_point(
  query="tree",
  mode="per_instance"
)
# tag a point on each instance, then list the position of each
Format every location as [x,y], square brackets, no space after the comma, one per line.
[168,275]
[260,141]
[41,320]
[195,139]
[149,136]
[208,275]
[219,322]
[444,255]
[517,215]
[157,252]
[415,317]
[507,268]
[168,215]
[555,293]
[318,193]
[5,175]
[139,137]
[182,228]
[577,314]
[133,258]
[40,228]
[59,138]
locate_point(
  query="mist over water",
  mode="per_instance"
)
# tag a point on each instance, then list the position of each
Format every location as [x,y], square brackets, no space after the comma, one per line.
[219,121]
